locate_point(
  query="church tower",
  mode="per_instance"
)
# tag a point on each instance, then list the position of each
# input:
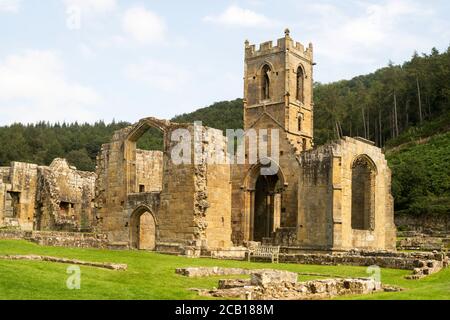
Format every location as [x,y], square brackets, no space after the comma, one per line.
[278,82]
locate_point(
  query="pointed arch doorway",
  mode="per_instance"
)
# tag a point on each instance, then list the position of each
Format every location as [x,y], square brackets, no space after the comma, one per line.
[266,215]
[143,229]
[263,199]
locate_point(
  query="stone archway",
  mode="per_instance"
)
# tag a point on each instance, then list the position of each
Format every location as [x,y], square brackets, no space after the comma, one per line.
[266,214]
[263,197]
[364,174]
[143,229]
[130,151]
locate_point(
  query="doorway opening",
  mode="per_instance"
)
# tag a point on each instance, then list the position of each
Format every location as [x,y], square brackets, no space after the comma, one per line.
[143,230]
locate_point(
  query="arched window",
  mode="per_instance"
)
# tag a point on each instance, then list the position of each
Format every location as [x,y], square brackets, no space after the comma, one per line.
[299,121]
[300,84]
[265,94]
[363,194]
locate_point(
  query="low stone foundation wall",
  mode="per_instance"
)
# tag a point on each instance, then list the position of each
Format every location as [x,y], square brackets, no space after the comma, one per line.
[58,239]
[422,263]
[32,257]
[423,243]
[13,234]
[427,224]
[394,260]
[310,290]
[237,253]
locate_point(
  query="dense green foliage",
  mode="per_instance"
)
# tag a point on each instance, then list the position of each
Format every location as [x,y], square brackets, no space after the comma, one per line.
[152,276]
[421,175]
[382,105]
[221,115]
[41,143]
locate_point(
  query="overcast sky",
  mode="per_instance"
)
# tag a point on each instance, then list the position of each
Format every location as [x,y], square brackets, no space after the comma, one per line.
[88,60]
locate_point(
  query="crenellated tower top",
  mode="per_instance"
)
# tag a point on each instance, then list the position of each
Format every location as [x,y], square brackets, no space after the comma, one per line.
[278,81]
[283,44]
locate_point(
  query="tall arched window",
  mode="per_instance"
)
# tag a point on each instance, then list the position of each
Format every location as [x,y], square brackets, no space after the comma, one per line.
[265,82]
[363,194]
[300,84]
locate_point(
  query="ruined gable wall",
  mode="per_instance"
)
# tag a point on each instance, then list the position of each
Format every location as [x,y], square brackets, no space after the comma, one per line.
[24,181]
[195,200]
[65,197]
[149,166]
[218,194]
[315,199]
[110,190]
[4,179]
[238,204]
[384,234]
[290,170]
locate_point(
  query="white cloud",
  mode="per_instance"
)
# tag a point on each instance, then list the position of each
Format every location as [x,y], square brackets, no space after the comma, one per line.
[158,75]
[239,17]
[92,7]
[87,52]
[35,87]
[367,36]
[144,25]
[10,6]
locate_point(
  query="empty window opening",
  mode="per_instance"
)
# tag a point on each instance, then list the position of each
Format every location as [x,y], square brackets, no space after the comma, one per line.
[300,84]
[65,208]
[12,207]
[363,194]
[266,82]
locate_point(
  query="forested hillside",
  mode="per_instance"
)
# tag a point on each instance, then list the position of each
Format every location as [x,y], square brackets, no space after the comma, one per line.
[382,105]
[42,142]
[403,108]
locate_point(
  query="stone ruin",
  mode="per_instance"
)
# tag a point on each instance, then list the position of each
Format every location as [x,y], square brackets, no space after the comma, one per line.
[57,198]
[269,284]
[332,198]
[329,199]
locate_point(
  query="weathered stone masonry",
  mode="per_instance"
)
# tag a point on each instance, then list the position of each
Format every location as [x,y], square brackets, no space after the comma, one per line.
[57,197]
[189,210]
[334,197]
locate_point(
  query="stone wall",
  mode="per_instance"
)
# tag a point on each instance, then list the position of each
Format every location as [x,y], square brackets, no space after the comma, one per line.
[65,198]
[57,197]
[18,195]
[149,167]
[382,259]
[244,179]
[325,198]
[315,205]
[193,207]
[437,225]
[58,239]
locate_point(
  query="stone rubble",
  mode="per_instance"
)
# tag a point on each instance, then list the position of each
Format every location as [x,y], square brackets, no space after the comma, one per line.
[270,284]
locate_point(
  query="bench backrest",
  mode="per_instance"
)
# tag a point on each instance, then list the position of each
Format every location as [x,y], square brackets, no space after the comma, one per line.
[266,249]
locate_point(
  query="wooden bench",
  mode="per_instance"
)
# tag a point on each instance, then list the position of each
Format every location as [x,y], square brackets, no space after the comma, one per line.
[272,252]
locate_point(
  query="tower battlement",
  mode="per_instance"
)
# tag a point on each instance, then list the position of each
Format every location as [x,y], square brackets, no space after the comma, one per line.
[283,44]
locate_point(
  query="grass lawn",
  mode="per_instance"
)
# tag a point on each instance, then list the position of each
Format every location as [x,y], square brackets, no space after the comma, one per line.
[152,276]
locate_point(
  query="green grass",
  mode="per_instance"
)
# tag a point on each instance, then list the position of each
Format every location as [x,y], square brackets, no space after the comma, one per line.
[152,276]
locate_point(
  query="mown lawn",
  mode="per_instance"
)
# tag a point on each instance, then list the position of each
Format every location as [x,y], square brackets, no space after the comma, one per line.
[152,276]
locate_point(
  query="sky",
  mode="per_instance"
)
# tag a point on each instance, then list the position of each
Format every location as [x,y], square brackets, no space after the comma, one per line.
[90,60]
